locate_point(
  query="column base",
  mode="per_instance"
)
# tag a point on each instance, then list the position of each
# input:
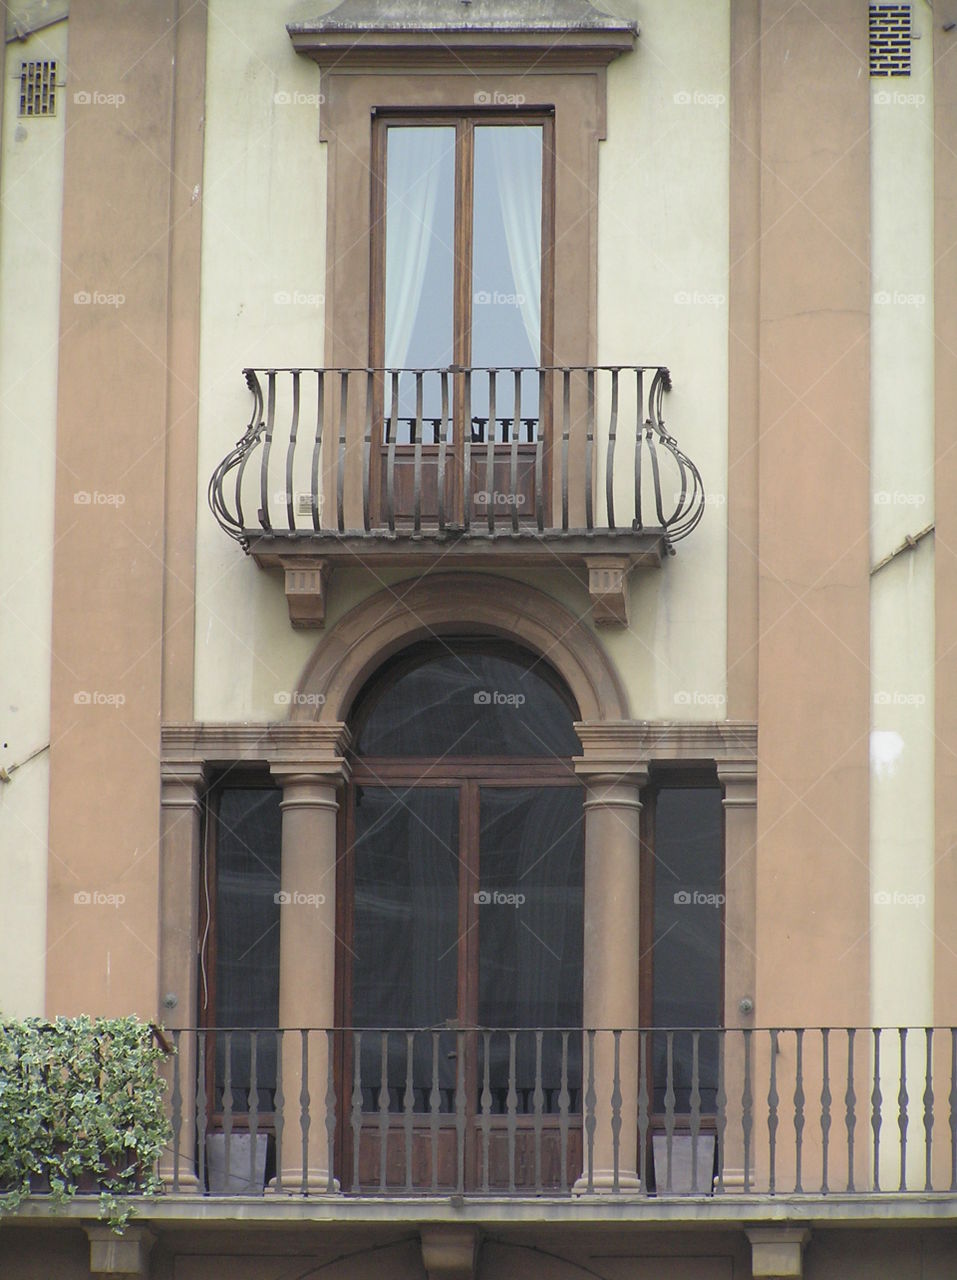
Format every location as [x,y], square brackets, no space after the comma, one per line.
[603,1183]
[317,1183]
[188,1184]
[733,1182]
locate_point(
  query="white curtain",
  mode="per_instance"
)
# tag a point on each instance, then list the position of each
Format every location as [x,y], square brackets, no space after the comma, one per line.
[413,172]
[517,156]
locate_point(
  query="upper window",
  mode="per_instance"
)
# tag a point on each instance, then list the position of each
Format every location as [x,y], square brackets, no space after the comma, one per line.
[462,251]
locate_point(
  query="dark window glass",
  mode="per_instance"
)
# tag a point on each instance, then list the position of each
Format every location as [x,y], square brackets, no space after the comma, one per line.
[462,699]
[689,902]
[405,935]
[247,832]
[530,936]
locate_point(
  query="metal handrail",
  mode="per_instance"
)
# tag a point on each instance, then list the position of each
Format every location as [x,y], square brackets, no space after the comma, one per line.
[601,426]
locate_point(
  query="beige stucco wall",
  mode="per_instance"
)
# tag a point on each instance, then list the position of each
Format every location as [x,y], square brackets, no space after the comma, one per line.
[663,299]
[264,234]
[31,185]
[902,593]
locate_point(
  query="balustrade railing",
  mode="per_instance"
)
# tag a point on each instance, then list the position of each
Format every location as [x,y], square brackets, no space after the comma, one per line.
[538,1111]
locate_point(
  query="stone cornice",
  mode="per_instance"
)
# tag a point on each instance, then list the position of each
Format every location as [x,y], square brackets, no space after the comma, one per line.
[626,745]
[360,36]
[291,744]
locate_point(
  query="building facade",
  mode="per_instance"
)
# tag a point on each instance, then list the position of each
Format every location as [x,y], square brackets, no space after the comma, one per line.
[478,610]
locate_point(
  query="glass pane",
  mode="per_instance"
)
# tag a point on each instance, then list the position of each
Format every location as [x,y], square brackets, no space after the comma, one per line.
[530,906]
[507,264]
[248,832]
[405,933]
[420,257]
[689,898]
[458,699]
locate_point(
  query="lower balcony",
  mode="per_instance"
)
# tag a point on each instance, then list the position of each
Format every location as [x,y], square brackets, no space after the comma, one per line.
[547,467]
[472,1115]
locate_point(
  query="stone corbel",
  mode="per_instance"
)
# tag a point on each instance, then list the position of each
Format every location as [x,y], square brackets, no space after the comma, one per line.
[778,1251]
[307,585]
[120,1255]
[450,1253]
[608,589]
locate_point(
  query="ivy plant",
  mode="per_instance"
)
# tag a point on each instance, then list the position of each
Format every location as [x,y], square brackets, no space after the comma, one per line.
[81,1109]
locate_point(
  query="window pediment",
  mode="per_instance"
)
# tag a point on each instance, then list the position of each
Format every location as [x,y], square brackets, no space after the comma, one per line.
[365,34]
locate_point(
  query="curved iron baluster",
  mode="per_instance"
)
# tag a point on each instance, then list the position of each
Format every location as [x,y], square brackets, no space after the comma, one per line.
[237,458]
[264,517]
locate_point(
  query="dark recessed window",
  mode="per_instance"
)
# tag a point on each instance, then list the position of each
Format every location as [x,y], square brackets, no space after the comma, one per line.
[466,698]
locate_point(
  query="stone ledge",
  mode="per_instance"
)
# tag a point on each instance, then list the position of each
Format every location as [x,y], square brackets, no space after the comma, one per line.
[733,1211]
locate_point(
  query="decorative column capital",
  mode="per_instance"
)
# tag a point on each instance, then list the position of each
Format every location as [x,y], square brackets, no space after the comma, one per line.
[740,781]
[312,756]
[181,784]
[613,752]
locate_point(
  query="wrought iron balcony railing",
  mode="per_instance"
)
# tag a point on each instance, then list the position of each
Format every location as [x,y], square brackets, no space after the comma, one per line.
[559,450]
[538,1111]
[345,462]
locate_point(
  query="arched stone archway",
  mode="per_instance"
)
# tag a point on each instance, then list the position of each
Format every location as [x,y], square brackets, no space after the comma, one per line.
[443,604]
[457,604]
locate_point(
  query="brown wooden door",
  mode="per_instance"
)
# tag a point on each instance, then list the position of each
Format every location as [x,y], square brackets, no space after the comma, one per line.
[464,911]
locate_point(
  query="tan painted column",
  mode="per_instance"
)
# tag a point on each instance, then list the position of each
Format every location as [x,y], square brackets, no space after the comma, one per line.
[813,892]
[108,571]
[739,779]
[307,957]
[611,959]
[180,835]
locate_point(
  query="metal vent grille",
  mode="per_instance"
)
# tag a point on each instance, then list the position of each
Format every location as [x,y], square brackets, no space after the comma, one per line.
[890,39]
[38,88]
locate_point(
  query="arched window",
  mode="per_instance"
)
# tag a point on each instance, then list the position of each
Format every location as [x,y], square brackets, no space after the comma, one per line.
[462,902]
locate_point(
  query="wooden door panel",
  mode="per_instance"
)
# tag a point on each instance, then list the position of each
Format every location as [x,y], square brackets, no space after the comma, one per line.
[370,1150]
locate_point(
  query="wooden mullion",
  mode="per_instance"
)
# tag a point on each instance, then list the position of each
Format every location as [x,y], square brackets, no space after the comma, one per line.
[377,284]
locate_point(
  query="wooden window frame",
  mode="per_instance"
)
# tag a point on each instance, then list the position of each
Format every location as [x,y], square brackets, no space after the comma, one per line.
[464,122]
